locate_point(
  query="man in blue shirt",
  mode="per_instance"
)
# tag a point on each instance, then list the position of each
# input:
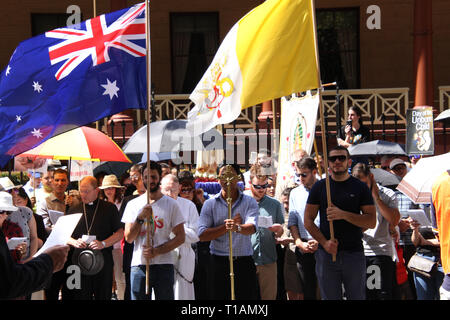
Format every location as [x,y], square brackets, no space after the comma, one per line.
[263,240]
[351,210]
[214,226]
[306,246]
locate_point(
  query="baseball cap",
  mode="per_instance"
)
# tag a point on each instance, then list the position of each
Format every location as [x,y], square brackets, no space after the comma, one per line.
[396,162]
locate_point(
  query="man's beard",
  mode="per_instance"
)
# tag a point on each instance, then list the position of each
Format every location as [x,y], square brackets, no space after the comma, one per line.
[152,190]
[341,172]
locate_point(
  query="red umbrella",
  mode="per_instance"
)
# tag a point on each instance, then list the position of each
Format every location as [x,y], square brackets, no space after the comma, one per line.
[83,143]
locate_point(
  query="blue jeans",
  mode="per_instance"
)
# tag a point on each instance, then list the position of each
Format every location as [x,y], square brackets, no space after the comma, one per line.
[349,270]
[428,288]
[161,281]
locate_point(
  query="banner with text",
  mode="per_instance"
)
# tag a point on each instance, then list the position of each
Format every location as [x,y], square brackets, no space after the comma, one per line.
[419,131]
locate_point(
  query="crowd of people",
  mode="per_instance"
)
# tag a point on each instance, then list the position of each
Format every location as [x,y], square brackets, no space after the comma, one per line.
[351,239]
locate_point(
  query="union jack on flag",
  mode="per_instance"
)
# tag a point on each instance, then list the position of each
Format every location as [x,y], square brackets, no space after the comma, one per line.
[96,40]
[72,76]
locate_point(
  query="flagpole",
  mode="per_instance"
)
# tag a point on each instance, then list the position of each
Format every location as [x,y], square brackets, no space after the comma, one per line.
[150,218]
[322,123]
[94,7]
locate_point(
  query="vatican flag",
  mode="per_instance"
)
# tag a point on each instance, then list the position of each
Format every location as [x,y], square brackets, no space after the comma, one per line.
[269,53]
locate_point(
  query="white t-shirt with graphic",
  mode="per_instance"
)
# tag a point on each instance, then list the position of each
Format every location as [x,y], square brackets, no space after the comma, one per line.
[167,216]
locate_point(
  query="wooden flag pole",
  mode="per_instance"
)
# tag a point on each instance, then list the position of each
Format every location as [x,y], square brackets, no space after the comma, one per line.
[150,219]
[322,125]
[319,168]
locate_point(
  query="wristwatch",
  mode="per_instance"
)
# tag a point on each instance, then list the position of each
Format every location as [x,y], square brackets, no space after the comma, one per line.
[104,244]
[140,221]
[238,228]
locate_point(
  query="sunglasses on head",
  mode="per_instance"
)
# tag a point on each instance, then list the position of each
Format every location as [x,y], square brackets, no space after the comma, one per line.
[260,186]
[340,158]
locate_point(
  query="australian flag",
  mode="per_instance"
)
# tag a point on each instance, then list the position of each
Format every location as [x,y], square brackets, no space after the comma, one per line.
[70,77]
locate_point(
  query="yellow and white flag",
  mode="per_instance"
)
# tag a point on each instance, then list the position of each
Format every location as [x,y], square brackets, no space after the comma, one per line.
[267,54]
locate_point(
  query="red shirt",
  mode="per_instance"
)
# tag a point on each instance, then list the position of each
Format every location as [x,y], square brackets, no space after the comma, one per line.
[11,230]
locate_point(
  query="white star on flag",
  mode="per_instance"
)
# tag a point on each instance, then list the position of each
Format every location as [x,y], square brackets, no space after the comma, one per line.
[110,89]
[8,68]
[36,86]
[37,133]
[18,118]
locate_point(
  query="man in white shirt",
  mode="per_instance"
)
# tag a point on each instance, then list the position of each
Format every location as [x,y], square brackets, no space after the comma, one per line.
[185,260]
[167,219]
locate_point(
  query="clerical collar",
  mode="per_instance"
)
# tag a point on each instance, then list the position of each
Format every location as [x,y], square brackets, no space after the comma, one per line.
[91,203]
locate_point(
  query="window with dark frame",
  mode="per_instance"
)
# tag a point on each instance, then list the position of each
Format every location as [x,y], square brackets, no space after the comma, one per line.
[43,22]
[338,39]
[194,42]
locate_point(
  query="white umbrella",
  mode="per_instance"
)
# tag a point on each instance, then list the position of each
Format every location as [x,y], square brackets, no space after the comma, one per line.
[417,183]
[444,116]
[172,136]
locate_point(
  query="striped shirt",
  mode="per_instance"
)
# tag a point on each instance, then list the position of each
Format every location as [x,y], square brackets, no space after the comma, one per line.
[213,214]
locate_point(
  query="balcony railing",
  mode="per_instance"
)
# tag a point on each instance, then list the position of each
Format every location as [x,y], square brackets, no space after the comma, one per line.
[380,107]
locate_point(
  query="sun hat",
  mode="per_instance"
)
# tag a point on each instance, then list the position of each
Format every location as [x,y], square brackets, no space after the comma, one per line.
[90,261]
[110,181]
[6,202]
[395,162]
[6,184]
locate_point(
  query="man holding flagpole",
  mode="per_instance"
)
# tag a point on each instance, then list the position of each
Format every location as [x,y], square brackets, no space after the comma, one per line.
[352,210]
[168,219]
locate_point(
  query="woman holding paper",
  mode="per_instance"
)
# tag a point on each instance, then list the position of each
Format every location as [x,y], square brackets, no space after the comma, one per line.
[26,221]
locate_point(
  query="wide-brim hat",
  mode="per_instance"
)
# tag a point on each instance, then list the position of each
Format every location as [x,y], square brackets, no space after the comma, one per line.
[110,181]
[6,202]
[6,184]
[90,261]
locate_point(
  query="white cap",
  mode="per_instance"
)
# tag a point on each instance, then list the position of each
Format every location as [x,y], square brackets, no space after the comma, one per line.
[396,162]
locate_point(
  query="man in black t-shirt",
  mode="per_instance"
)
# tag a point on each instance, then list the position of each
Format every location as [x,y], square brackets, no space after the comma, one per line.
[352,211]
[100,219]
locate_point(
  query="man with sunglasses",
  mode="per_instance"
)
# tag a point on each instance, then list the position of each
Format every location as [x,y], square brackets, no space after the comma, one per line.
[352,210]
[306,246]
[264,239]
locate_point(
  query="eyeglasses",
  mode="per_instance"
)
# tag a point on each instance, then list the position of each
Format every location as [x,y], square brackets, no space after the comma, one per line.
[303,175]
[186,190]
[340,158]
[260,186]
[399,167]
[11,191]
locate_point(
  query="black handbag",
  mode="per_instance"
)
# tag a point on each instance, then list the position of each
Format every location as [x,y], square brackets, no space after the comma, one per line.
[422,265]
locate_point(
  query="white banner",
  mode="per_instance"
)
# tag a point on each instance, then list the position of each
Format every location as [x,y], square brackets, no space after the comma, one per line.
[298,127]
[80,169]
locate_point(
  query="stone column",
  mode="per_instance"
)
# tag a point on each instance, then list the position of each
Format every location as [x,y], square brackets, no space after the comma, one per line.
[423,55]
